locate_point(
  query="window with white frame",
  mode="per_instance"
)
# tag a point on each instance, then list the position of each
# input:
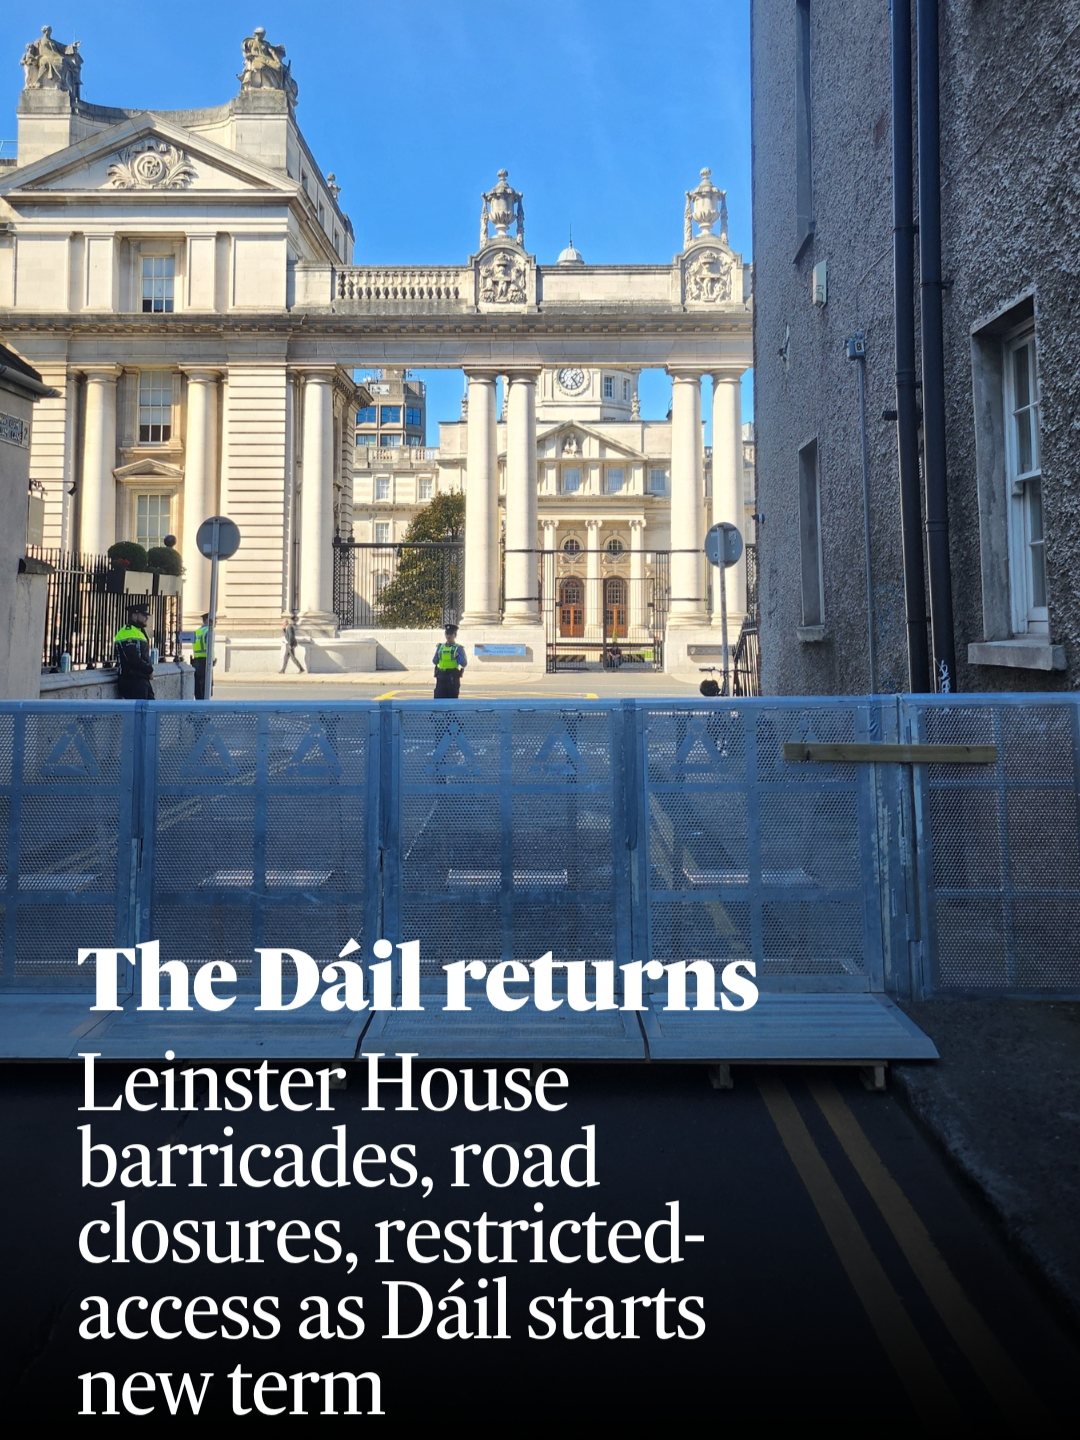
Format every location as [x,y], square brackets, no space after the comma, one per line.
[155,407]
[382,487]
[152,518]
[158,275]
[571,481]
[614,479]
[1027,562]
[658,481]
[626,389]
[423,487]
[614,546]
[609,387]
[382,532]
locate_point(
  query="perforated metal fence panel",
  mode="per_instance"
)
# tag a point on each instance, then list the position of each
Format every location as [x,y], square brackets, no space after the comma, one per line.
[999,859]
[67,785]
[625,832]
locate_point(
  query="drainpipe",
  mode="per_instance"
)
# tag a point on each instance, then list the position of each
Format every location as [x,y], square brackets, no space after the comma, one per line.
[933,362]
[907,419]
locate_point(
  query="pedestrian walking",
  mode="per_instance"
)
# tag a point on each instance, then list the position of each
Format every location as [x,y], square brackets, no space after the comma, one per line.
[199,657]
[449,661]
[288,646]
[132,646]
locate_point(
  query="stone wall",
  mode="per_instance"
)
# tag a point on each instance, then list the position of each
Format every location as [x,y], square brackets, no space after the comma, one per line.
[1009,134]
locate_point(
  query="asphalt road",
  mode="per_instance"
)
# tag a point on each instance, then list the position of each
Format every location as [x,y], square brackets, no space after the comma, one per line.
[846,1284]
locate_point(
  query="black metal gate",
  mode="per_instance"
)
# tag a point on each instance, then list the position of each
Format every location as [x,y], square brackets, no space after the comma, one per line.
[604,609]
[400,586]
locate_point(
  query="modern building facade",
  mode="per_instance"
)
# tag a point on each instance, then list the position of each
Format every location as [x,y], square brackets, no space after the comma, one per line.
[823,138]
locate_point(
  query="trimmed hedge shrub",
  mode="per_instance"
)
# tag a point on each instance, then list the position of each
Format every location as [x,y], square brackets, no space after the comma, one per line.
[128,555]
[165,560]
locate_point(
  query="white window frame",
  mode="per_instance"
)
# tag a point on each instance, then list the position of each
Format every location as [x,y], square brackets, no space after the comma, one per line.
[664,487]
[166,281]
[574,489]
[160,409]
[383,488]
[382,525]
[1024,490]
[620,471]
[609,387]
[425,487]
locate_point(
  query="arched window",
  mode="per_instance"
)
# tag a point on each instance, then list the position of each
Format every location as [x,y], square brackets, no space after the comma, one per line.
[571,547]
[615,546]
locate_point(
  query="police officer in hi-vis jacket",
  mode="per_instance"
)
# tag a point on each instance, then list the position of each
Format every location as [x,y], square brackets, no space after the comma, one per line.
[133,657]
[449,661]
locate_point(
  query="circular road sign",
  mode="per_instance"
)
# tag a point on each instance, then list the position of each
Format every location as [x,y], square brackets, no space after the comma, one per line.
[227,538]
[723,544]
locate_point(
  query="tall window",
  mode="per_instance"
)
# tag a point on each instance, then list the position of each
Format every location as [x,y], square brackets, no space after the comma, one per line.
[423,488]
[609,387]
[658,481]
[382,532]
[810,536]
[626,389]
[571,481]
[804,149]
[614,481]
[152,518]
[155,407]
[1027,564]
[158,273]
[390,414]
[382,487]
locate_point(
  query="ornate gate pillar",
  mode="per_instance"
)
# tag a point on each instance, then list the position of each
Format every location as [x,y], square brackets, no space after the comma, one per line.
[481,503]
[727,472]
[97,514]
[687,501]
[521,604]
[317,503]
[200,486]
[637,615]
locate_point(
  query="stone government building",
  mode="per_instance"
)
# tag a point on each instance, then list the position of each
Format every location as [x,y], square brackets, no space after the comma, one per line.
[185,282]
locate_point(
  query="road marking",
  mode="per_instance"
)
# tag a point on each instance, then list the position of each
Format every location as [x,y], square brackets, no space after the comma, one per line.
[1012,1393]
[388,696]
[899,1338]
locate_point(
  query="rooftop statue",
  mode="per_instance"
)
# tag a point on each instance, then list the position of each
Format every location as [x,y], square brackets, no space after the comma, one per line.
[50,65]
[265,67]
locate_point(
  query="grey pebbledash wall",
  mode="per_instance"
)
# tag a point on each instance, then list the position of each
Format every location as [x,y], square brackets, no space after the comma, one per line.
[1010,210]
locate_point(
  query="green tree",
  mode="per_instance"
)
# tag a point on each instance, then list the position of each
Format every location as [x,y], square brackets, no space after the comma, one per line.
[427,582]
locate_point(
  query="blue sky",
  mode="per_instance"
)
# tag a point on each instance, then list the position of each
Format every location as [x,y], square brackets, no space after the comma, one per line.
[603,113]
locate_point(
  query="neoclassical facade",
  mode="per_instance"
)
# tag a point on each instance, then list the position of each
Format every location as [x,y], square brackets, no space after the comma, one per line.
[185,282]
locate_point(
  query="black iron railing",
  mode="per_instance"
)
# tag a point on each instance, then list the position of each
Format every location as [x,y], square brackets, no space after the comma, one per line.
[399,586]
[87,604]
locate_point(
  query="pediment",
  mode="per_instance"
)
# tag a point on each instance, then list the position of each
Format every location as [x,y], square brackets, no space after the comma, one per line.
[142,156]
[570,429]
[149,469]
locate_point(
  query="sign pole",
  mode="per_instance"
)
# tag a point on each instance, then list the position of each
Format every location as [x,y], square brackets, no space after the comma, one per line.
[724,629]
[208,689]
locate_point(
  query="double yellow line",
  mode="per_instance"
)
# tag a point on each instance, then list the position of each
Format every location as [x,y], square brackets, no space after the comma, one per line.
[910,1358]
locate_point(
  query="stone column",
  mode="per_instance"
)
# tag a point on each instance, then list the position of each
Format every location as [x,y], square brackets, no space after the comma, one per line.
[687,502]
[481,503]
[200,486]
[317,503]
[594,600]
[638,616]
[97,521]
[727,471]
[521,607]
